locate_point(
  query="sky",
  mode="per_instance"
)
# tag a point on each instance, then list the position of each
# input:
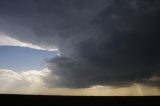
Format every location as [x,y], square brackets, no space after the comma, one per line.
[22,58]
[80,47]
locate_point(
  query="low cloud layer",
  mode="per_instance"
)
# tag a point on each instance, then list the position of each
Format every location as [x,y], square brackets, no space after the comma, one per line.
[31,82]
[106,42]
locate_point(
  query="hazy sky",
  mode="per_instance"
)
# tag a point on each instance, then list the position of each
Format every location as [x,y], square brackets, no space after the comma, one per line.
[80,47]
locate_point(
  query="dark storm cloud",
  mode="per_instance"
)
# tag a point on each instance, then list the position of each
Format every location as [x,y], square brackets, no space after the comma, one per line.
[105,42]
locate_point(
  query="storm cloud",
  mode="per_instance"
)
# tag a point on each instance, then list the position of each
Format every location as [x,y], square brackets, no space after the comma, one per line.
[105,42]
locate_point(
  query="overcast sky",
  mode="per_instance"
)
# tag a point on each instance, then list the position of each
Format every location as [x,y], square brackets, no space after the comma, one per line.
[80,44]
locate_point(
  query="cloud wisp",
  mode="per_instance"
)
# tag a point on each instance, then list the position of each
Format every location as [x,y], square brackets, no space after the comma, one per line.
[9,41]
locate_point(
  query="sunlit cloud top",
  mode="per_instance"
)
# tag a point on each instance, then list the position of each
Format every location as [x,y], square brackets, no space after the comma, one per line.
[9,41]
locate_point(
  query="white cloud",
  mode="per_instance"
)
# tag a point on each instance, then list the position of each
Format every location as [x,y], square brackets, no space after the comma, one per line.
[30,78]
[9,41]
[34,76]
[8,74]
[26,82]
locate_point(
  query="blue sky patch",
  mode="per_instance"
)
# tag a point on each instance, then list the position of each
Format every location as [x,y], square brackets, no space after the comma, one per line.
[22,58]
